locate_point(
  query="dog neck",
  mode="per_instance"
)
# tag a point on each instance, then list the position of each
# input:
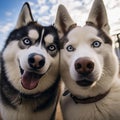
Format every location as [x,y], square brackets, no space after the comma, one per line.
[87,100]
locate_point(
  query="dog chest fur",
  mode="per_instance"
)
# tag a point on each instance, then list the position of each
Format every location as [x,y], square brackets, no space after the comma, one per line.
[24,113]
[105,109]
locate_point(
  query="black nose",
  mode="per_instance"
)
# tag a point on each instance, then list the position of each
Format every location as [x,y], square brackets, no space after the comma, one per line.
[84,65]
[36,61]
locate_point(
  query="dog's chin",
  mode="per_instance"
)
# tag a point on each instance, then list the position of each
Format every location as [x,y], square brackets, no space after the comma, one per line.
[29,79]
[85,80]
[84,83]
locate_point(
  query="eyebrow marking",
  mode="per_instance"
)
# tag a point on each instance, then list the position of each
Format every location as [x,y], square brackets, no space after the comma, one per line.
[33,34]
[49,39]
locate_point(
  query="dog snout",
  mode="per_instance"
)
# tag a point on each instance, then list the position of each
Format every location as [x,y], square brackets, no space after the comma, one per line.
[84,66]
[36,61]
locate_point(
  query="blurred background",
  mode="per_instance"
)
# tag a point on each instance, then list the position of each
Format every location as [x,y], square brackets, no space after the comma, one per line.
[44,11]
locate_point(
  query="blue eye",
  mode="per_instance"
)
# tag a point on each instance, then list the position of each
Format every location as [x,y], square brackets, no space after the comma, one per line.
[70,48]
[51,47]
[96,44]
[27,41]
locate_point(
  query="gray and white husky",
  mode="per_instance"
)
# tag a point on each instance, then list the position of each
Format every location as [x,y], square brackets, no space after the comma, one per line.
[89,67]
[29,83]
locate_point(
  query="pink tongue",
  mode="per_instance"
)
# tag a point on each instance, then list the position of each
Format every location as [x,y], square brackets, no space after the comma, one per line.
[30,80]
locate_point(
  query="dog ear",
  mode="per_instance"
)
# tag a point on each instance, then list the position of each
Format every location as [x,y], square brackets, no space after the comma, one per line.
[25,16]
[98,16]
[63,21]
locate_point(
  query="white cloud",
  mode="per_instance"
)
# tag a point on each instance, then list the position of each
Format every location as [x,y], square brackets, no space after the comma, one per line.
[40,2]
[6,27]
[43,9]
[53,1]
[31,3]
[53,12]
[8,14]
[44,20]
[4,31]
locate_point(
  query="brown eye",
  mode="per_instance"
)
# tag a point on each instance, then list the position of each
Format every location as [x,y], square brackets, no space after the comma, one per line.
[27,41]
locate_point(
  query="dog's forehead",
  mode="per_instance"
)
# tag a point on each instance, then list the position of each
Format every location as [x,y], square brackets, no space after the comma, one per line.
[85,32]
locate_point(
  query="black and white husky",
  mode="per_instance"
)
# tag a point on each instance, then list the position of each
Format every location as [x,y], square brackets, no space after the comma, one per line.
[89,67]
[29,84]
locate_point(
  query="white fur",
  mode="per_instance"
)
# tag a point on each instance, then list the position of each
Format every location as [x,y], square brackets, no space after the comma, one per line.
[105,72]
[24,113]
[82,43]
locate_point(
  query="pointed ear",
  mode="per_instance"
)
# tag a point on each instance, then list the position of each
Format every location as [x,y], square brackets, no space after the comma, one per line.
[98,16]
[25,16]
[63,21]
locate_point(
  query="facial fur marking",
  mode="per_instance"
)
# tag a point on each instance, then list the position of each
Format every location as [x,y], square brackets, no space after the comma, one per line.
[33,34]
[49,39]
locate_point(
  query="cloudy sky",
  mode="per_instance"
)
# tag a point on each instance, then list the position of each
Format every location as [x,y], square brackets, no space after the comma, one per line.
[44,11]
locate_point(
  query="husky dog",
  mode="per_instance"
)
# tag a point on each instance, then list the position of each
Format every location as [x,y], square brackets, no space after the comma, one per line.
[89,67]
[30,81]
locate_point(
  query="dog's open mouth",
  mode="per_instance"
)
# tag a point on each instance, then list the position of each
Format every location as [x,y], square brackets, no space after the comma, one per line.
[84,83]
[30,80]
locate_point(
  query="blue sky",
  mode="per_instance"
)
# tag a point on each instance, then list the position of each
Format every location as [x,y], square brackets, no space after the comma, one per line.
[44,12]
